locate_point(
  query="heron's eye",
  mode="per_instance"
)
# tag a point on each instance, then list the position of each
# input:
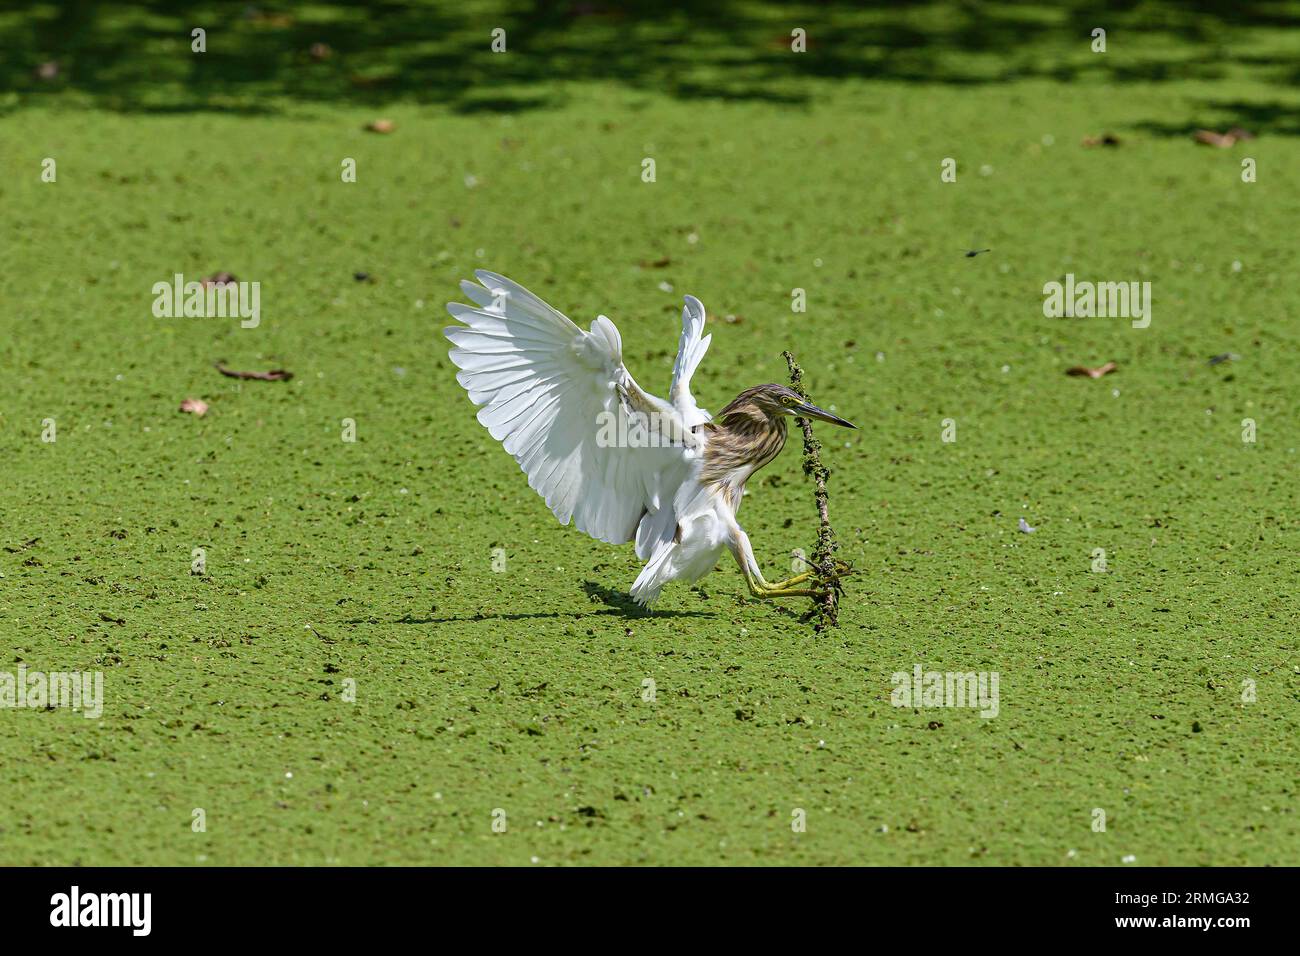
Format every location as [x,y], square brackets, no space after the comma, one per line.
[787,400]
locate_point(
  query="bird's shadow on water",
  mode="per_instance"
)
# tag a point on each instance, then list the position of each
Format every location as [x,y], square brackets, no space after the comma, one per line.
[616,604]
[622,604]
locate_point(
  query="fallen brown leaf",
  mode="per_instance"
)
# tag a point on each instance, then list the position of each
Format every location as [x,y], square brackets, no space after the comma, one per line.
[782,42]
[274,375]
[196,406]
[381,126]
[1097,372]
[369,82]
[275,21]
[1223,140]
[661,263]
[595,11]
[1209,137]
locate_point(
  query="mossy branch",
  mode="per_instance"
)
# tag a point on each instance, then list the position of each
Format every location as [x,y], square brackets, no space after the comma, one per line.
[826,609]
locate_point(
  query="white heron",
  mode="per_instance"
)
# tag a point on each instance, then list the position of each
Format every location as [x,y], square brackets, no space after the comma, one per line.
[618,462]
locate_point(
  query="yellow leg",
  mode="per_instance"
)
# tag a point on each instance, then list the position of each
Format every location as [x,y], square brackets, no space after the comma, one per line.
[789,582]
[760,588]
[744,555]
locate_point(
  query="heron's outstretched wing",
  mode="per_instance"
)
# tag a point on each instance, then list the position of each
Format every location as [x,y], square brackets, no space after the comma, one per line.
[690,349]
[561,402]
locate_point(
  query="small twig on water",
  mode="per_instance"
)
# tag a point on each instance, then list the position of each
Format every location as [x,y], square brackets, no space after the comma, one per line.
[327,640]
[275,375]
[826,608]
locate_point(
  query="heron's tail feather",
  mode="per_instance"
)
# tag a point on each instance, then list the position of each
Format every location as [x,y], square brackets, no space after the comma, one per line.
[659,570]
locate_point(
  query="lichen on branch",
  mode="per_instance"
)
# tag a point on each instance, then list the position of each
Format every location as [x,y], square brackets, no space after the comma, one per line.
[826,574]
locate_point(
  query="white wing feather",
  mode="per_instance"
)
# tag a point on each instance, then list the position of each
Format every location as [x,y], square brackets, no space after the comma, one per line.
[690,350]
[546,387]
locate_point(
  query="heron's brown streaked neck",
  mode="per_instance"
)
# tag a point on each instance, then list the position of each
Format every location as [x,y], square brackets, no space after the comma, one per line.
[742,439]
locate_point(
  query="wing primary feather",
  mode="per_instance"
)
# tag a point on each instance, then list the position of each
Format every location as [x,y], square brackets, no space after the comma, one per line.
[545,387]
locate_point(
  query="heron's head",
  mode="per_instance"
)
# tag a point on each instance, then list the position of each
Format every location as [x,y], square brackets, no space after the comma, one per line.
[777,400]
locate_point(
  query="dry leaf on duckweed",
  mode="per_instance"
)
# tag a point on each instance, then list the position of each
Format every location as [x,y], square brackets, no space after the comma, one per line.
[268,19]
[1233,136]
[1097,372]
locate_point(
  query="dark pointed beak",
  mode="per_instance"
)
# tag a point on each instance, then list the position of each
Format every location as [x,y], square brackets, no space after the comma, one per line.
[809,410]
